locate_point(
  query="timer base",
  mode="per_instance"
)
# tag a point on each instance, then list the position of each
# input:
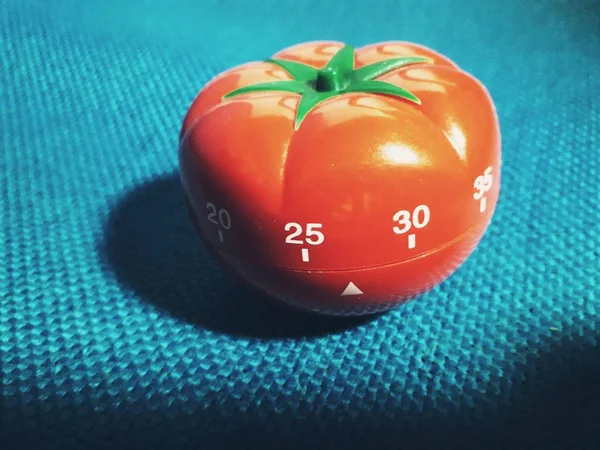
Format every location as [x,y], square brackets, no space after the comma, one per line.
[354,292]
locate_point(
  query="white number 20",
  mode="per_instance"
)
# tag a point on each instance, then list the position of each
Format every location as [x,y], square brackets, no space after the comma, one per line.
[419,219]
[218,217]
[312,236]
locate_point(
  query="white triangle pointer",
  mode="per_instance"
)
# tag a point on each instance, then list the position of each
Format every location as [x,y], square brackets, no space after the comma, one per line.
[352,289]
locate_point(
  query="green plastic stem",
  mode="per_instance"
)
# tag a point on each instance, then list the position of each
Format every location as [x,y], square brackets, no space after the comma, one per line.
[336,78]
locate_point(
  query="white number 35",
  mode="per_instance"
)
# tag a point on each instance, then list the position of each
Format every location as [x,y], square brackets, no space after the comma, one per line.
[483,183]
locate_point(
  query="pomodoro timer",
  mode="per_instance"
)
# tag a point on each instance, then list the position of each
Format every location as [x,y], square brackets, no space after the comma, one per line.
[342,181]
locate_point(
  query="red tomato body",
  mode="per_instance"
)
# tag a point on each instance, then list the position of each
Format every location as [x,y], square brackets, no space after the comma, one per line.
[371,201]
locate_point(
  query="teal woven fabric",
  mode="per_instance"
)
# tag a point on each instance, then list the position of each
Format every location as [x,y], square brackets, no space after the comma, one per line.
[118,330]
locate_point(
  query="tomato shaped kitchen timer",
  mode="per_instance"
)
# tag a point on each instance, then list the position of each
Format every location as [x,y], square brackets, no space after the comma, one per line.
[342,181]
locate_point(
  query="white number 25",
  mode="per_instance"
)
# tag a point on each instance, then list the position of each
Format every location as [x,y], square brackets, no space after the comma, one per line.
[312,236]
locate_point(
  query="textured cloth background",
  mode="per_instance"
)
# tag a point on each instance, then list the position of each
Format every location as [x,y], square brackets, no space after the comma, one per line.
[117,330]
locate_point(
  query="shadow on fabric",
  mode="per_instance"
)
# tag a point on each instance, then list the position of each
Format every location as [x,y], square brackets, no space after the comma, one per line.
[152,248]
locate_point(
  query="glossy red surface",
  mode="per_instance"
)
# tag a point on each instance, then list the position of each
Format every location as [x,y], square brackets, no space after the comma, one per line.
[371,189]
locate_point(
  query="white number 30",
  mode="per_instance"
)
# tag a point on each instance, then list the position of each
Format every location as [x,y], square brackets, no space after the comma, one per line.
[419,219]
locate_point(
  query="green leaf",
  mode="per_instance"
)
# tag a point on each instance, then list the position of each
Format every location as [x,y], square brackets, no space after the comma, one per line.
[379,68]
[309,100]
[382,87]
[298,71]
[297,87]
[342,61]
